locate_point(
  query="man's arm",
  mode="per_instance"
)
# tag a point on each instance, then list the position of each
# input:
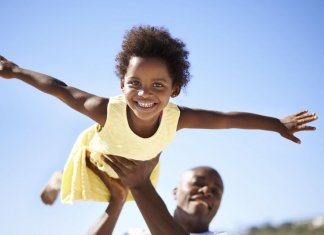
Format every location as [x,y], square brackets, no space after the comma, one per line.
[88,104]
[135,175]
[154,211]
[106,222]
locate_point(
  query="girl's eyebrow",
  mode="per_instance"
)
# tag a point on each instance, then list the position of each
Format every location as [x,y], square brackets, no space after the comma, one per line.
[132,77]
[161,79]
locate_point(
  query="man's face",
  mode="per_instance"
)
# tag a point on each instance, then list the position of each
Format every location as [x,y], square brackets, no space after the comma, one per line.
[200,192]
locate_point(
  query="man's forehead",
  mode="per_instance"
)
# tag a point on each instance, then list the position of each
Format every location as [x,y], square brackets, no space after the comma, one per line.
[202,173]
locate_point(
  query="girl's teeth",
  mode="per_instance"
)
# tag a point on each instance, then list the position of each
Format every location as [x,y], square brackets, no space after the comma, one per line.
[145,105]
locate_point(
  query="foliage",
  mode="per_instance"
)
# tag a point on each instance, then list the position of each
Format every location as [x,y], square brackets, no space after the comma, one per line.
[288,229]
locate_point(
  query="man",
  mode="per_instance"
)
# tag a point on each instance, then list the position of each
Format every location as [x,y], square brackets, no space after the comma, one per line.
[198,196]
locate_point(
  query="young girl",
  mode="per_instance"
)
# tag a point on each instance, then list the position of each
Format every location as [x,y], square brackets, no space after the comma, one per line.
[152,67]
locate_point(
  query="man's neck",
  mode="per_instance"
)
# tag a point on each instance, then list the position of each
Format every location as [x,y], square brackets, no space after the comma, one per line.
[191,223]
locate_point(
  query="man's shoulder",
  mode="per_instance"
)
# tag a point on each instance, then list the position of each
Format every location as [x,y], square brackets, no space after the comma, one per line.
[211,233]
[219,233]
[141,231]
[137,231]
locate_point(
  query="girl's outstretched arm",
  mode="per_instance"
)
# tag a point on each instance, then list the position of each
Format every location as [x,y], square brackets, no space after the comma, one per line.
[208,119]
[88,104]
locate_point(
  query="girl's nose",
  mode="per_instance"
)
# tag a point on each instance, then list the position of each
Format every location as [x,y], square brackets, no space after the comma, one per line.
[143,92]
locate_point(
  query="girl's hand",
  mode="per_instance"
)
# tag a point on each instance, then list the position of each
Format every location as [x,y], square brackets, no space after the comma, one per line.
[117,189]
[295,123]
[132,173]
[7,68]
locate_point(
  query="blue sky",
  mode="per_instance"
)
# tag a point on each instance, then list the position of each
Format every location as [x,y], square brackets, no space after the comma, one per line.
[265,57]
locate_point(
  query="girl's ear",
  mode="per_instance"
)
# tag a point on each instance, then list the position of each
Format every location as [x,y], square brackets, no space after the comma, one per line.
[122,83]
[175,191]
[175,91]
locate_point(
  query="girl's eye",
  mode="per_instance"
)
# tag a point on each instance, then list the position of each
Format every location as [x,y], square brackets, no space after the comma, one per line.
[134,83]
[158,85]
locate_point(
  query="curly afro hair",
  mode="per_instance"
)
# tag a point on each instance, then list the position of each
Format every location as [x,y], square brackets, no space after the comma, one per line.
[150,41]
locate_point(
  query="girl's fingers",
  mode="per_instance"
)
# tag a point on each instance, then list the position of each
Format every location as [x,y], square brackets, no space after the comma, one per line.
[306,128]
[307,119]
[308,115]
[301,112]
[295,139]
[291,137]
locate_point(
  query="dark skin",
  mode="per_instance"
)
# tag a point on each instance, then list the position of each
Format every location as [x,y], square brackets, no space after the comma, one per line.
[147,87]
[136,176]
[198,196]
[118,191]
[147,82]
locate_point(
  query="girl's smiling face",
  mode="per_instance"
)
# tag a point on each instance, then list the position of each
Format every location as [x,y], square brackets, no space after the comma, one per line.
[147,87]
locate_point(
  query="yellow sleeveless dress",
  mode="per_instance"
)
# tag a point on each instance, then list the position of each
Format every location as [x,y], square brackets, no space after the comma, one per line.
[116,138]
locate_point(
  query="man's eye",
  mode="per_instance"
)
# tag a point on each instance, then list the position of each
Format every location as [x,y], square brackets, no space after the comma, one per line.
[199,184]
[216,193]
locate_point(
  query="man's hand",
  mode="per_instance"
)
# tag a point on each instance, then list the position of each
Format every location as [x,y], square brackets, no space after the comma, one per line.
[117,189]
[136,175]
[131,172]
